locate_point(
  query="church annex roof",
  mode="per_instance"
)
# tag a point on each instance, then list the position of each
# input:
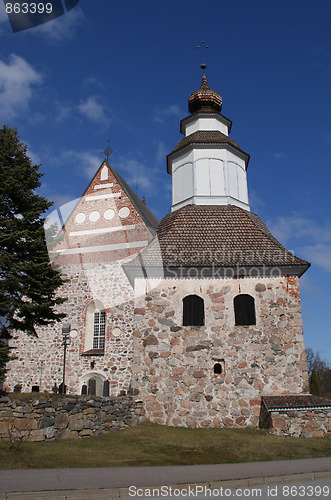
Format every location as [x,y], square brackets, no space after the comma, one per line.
[295,402]
[222,236]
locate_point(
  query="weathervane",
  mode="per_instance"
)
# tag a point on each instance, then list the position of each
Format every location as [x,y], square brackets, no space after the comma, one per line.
[108,151]
[202,47]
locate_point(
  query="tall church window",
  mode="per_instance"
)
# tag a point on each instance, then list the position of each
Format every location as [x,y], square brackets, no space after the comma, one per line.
[244,310]
[99,330]
[95,328]
[193,311]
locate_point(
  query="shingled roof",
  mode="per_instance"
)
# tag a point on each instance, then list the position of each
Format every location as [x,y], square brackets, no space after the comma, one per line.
[295,402]
[207,137]
[216,236]
[204,99]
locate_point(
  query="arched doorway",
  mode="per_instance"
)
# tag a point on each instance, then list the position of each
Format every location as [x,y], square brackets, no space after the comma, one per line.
[95,384]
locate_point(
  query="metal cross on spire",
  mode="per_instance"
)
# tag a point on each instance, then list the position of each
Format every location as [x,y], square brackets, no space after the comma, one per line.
[202,47]
[108,151]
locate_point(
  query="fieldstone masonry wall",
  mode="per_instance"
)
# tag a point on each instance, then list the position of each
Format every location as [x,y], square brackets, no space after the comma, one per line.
[173,364]
[299,423]
[66,418]
[39,361]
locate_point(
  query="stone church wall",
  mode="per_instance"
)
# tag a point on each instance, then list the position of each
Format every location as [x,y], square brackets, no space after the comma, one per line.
[173,364]
[39,361]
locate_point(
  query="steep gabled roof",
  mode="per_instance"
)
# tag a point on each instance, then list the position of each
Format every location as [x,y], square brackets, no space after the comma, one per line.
[108,223]
[147,216]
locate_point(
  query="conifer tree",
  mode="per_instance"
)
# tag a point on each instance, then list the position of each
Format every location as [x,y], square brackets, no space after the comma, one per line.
[27,280]
[315,384]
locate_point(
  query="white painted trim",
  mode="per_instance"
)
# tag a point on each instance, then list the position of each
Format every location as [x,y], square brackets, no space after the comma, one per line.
[103,186]
[103,248]
[298,408]
[102,230]
[103,196]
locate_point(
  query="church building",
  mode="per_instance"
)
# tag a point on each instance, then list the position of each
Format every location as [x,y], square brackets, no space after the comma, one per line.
[199,315]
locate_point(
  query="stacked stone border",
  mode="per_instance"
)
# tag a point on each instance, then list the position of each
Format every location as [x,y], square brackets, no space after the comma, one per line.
[301,422]
[67,418]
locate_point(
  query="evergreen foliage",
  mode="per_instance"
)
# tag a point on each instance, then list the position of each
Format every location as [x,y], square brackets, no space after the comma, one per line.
[315,384]
[27,280]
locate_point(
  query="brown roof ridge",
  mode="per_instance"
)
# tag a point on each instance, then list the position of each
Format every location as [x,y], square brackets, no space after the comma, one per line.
[285,402]
[261,226]
[217,236]
[207,135]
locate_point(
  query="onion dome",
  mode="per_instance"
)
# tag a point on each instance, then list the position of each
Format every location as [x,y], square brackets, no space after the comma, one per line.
[205,99]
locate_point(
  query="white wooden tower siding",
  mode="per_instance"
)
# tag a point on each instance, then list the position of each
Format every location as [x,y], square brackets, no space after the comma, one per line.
[207,167]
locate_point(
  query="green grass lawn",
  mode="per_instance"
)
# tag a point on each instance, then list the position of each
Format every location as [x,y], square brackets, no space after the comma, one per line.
[151,444]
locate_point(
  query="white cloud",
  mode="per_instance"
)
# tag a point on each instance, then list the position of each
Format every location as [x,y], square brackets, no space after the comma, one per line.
[311,239]
[160,114]
[255,201]
[161,152]
[143,176]
[35,158]
[63,111]
[93,110]
[137,174]
[278,155]
[319,254]
[62,29]
[89,109]
[298,227]
[94,82]
[87,162]
[17,79]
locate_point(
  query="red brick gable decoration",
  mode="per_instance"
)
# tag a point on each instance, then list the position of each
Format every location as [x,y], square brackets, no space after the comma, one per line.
[108,223]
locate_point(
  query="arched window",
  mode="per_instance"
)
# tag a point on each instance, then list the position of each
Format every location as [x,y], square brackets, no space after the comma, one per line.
[95,327]
[104,173]
[99,330]
[244,310]
[193,311]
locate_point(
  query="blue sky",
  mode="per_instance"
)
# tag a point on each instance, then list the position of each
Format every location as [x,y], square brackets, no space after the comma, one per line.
[124,70]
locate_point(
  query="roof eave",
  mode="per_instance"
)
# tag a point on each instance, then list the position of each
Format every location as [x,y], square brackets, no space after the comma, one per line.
[204,272]
[200,145]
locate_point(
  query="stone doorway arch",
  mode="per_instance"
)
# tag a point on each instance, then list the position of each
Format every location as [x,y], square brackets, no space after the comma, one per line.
[95,384]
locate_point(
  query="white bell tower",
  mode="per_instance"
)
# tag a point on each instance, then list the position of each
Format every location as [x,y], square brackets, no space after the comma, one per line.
[207,166]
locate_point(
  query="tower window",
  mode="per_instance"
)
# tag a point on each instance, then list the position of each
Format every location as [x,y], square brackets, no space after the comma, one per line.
[244,310]
[99,330]
[193,311]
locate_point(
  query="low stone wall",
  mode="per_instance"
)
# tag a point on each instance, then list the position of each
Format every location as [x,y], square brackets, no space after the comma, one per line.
[300,423]
[66,418]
